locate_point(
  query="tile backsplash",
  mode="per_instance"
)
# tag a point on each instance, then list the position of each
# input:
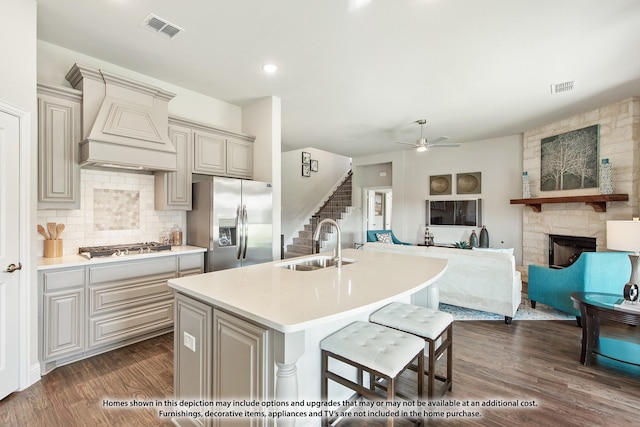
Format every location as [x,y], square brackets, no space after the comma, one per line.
[116,207]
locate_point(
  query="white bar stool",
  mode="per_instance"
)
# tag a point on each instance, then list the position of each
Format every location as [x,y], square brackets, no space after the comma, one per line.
[377,350]
[430,325]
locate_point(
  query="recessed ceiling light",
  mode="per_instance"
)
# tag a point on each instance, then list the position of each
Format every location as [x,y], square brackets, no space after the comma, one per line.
[269,68]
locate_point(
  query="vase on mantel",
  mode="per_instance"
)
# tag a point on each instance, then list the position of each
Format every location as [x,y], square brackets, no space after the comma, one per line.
[606,184]
[526,189]
[484,237]
[473,239]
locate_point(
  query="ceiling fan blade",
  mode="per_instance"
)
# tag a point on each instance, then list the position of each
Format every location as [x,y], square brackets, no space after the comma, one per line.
[442,138]
[407,143]
[444,145]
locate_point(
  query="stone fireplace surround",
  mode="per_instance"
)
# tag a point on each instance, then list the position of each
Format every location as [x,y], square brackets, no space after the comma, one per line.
[620,143]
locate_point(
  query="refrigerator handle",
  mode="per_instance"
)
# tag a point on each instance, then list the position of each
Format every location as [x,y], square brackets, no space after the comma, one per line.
[239,231]
[245,232]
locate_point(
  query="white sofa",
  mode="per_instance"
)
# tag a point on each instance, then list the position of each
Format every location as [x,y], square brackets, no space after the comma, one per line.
[485,280]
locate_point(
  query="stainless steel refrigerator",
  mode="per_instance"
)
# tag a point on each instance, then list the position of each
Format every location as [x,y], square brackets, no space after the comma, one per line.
[232,218]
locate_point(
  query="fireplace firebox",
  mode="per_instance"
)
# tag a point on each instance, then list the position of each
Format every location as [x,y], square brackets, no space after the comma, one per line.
[565,250]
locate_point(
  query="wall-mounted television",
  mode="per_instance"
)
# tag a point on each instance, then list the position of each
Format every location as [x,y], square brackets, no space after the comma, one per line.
[465,213]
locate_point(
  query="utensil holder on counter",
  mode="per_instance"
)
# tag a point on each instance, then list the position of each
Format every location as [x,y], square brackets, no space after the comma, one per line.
[53,248]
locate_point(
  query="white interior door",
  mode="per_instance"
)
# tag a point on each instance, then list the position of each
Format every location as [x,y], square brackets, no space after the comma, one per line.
[9,253]
[378,212]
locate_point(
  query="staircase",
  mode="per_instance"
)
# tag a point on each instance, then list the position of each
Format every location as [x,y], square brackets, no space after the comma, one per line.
[336,207]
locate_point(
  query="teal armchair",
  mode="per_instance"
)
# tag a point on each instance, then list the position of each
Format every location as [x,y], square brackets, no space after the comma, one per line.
[371,237]
[592,272]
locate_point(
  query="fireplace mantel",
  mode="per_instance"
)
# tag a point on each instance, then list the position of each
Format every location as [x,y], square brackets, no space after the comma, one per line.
[598,201]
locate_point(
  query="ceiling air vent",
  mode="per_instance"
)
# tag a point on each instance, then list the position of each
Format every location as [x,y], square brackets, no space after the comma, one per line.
[563,87]
[160,26]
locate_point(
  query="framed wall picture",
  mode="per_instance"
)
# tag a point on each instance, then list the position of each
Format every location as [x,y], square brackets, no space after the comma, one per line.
[306,170]
[569,160]
[469,183]
[439,184]
[306,158]
[314,166]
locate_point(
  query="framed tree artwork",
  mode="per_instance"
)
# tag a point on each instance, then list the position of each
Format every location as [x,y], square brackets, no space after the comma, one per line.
[569,161]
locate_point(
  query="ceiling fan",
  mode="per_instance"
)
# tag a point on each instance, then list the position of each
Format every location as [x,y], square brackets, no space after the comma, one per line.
[422,145]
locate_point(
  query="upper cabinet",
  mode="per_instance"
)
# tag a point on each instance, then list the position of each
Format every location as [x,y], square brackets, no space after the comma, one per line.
[59,132]
[219,152]
[210,153]
[203,150]
[173,189]
[239,158]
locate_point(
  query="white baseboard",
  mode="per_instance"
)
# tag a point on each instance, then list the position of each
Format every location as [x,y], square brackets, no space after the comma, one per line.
[34,375]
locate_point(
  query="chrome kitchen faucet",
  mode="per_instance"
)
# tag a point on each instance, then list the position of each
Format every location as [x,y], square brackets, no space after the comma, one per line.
[316,236]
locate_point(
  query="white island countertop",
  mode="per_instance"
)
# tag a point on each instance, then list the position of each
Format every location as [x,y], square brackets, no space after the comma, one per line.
[290,301]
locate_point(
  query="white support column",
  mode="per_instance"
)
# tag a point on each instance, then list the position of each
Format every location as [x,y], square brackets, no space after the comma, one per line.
[287,350]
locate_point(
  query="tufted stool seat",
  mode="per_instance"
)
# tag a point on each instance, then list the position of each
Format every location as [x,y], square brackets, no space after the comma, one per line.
[428,324]
[374,349]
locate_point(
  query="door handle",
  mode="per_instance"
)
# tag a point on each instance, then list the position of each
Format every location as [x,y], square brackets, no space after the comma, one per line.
[239,232]
[12,267]
[245,224]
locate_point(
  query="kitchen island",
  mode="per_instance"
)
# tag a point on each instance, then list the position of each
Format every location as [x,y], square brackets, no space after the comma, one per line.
[253,333]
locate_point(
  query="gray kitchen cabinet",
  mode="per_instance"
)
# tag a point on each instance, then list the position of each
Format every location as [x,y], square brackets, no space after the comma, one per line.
[63,314]
[219,357]
[209,153]
[173,189]
[190,264]
[222,153]
[59,132]
[129,299]
[87,310]
[205,150]
[241,361]
[239,158]
[192,353]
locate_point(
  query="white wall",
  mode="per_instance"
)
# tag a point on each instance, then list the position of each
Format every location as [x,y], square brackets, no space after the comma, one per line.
[18,88]
[301,195]
[54,62]
[499,161]
[263,119]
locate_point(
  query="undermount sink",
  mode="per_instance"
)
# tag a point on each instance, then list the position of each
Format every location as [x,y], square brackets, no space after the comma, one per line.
[314,263]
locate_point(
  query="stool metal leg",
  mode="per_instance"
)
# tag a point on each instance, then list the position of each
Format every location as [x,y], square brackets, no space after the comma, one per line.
[431,368]
[450,356]
[324,385]
[420,375]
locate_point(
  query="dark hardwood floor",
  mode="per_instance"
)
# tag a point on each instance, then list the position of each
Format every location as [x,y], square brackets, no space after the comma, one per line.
[73,395]
[533,361]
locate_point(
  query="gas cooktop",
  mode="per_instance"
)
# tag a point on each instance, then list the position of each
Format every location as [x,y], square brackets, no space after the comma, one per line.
[121,250]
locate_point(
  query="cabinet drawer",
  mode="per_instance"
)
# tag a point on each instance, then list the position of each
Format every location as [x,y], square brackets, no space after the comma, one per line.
[127,294]
[130,323]
[131,270]
[61,279]
[190,262]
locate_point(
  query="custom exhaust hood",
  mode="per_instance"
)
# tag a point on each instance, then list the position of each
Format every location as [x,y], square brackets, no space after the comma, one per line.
[124,122]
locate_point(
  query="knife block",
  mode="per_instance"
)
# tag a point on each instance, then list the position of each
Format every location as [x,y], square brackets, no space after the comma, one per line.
[53,248]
